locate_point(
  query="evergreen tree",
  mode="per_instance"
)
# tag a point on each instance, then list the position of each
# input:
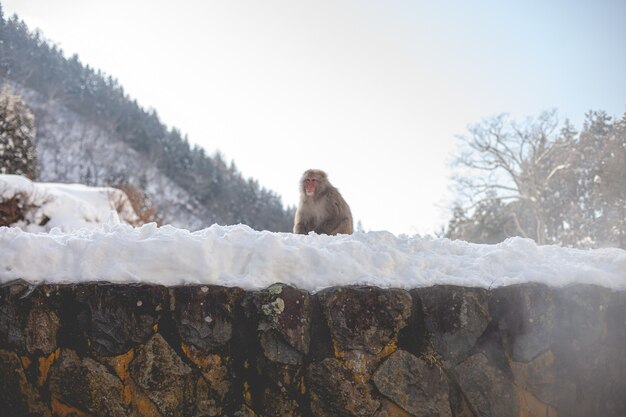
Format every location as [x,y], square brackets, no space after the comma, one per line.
[17,132]
[492,221]
[601,165]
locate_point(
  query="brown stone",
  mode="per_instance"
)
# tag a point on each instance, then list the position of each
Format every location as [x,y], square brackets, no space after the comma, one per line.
[455,318]
[245,411]
[279,320]
[337,392]
[87,385]
[164,377]
[283,317]
[17,396]
[205,351]
[530,406]
[205,315]
[206,403]
[29,317]
[278,403]
[366,319]
[539,377]
[525,316]
[581,318]
[118,317]
[214,386]
[389,409]
[418,387]
[486,387]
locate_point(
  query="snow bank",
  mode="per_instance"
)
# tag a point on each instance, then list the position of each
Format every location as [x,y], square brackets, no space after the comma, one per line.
[70,233]
[240,256]
[64,206]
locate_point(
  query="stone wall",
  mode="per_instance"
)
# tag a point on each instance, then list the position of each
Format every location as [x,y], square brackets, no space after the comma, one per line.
[140,350]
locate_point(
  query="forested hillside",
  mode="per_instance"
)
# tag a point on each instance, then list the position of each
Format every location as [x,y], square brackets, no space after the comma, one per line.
[89,130]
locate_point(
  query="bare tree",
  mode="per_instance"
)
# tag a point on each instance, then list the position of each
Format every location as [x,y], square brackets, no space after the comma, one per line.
[508,161]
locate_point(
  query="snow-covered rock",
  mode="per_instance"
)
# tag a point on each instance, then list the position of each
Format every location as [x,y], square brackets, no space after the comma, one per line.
[64,207]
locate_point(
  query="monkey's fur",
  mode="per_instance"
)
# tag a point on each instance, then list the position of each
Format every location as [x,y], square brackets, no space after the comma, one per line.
[322,209]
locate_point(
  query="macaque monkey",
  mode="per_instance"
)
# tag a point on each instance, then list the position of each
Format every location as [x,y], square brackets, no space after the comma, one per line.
[322,209]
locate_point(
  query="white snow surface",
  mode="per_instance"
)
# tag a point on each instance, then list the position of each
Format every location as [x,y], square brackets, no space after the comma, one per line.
[86,241]
[240,256]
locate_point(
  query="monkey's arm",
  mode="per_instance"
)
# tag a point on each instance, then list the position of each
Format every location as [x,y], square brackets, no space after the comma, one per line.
[344,227]
[338,220]
[333,226]
[326,228]
[301,228]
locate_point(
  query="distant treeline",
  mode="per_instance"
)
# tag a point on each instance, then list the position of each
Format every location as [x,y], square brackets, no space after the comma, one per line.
[32,61]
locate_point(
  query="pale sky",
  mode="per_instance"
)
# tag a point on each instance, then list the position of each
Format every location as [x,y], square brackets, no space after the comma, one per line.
[373,92]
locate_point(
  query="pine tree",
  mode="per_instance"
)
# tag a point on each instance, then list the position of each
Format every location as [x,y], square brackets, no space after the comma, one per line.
[17,132]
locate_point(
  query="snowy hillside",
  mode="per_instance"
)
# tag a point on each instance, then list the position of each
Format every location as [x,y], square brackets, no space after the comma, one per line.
[189,188]
[71,149]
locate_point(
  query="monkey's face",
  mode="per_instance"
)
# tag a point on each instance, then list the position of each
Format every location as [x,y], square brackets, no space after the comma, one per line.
[310,185]
[313,182]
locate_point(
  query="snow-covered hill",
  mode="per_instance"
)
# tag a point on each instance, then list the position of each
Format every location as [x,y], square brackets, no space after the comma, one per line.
[73,150]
